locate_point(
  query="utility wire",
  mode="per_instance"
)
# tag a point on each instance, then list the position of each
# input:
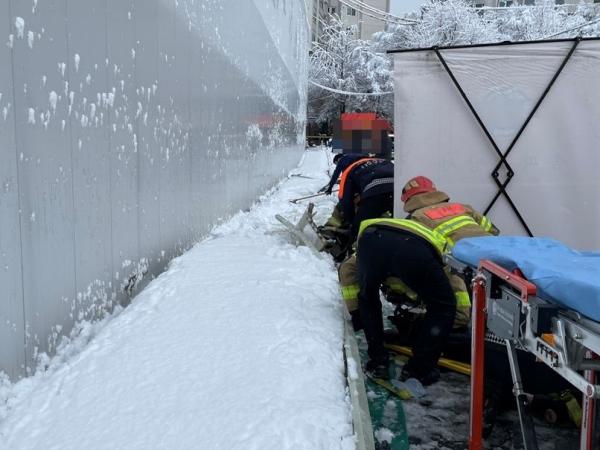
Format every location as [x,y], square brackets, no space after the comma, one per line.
[362,11]
[573,29]
[358,94]
[382,12]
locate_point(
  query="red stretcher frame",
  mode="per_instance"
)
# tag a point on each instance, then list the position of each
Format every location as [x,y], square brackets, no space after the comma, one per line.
[486,271]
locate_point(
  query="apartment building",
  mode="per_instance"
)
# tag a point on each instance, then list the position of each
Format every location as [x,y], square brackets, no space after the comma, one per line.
[367,15]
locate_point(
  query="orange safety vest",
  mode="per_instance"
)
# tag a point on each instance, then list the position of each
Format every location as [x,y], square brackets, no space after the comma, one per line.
[345,173]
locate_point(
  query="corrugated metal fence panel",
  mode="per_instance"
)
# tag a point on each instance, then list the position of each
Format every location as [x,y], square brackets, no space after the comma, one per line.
[41,69]
[12,333]
[122,85]
[89,125]
[147,57]
[136,126]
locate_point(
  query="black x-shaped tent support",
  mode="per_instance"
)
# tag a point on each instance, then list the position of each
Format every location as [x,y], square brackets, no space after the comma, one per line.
[502,161]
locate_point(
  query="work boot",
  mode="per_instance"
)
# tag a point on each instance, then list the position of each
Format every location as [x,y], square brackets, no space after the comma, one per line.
[378,368]
[426,378]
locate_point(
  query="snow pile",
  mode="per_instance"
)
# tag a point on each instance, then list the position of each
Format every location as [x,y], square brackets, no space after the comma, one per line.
[237,346]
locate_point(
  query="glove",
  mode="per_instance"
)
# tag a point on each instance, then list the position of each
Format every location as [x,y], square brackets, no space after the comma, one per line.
[325,190]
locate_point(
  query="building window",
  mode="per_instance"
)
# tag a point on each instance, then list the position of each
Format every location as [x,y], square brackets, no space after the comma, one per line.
[351,11]
[559,2]
[529,2]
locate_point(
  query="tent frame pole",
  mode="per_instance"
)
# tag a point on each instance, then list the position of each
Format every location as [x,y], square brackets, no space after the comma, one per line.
[503,159]
[502,156]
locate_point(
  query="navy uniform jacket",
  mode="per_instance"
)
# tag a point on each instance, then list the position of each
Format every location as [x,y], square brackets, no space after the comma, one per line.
[370,178]
[343,163]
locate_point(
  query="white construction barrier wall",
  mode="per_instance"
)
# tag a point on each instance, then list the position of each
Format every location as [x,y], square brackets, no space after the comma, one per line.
[128,128]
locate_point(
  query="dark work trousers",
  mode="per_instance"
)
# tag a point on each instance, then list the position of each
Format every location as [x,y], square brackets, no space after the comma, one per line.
[371,208]
[383,252]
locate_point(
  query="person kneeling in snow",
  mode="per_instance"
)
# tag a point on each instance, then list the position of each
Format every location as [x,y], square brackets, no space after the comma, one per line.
[358,174]
[409,251]
[399,294]
[454,221]
[412,250]
[366,191]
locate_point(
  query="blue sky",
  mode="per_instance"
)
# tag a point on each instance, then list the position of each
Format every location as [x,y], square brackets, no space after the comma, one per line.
[403,6]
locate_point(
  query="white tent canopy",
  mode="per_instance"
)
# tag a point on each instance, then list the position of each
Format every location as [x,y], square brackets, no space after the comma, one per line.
[555,188]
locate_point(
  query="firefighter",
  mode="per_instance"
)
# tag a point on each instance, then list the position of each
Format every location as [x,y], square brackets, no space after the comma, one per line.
[335,230]
[366,191]
[432,208]
[407,250]
[435,223]
[398,293]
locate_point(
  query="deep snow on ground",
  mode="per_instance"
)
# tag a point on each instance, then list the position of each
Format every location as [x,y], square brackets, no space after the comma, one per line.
[237,346]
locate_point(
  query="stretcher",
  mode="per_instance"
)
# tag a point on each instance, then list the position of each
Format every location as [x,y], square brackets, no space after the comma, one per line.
[541,297]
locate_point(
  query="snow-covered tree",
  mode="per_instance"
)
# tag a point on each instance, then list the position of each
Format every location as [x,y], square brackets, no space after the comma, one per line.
[438,24]
[374,74]
[344,63]
[330,66]
[456,22]
[534,22]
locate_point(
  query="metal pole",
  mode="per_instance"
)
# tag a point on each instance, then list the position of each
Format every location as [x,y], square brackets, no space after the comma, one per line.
[477,360]
[527,427]
[296,200]
[588,419]
[491,44]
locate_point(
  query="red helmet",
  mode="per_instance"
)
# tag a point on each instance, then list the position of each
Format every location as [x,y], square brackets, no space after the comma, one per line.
[417,185]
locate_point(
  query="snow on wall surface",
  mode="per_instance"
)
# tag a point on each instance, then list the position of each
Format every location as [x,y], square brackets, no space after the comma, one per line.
[128,128]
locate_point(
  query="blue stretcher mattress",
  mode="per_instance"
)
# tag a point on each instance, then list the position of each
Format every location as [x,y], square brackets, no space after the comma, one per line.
[568,277]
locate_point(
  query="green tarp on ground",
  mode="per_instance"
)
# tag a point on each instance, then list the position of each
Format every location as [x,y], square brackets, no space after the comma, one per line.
[387,411]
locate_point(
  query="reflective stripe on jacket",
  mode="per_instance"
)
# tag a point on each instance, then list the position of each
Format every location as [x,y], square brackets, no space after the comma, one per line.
[450,227]
[349,287]
[346,172]
[454,221]
[433,237]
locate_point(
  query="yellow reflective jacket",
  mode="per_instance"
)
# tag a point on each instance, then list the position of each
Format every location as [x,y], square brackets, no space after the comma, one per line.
[437,240]
[453,221]
[348,278]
